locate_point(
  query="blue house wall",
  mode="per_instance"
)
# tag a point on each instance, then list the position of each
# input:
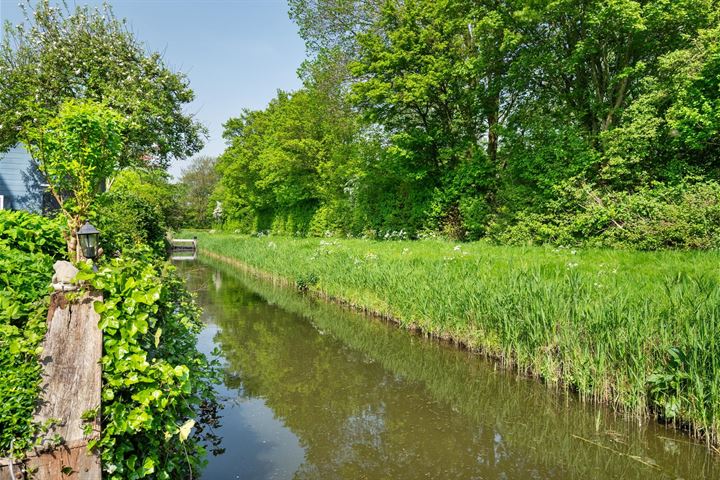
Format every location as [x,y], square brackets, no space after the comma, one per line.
[20,182]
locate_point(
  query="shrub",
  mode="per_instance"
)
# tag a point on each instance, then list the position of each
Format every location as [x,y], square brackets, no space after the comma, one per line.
[29,244]
[128,221]
[155,382]
[32,233]
[684,216]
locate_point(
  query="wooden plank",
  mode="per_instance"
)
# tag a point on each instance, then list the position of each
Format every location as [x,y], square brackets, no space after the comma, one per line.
[190,242]
[184,243]
[71,383]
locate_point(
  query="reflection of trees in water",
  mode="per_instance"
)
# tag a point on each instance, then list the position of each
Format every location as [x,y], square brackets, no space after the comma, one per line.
[367,401]
[353,418]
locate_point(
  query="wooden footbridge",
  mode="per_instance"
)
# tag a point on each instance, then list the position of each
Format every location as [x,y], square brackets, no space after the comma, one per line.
[183,249]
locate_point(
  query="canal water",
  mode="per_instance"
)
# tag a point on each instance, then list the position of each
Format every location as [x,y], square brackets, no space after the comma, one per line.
[311,391]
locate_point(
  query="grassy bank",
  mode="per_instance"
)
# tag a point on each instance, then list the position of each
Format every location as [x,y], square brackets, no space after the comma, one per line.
[636,330]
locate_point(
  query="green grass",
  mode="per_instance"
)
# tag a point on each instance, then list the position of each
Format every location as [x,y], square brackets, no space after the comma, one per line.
[636,330]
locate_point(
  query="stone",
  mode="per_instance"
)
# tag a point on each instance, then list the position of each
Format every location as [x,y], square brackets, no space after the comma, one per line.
[64,274]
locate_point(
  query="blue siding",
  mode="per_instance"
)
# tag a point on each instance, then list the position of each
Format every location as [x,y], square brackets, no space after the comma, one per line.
[20,182]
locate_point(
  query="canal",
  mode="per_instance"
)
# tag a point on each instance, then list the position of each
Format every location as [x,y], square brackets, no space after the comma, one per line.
[311,391]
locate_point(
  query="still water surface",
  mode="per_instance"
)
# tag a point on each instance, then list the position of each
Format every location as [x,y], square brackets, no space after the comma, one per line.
[311,391]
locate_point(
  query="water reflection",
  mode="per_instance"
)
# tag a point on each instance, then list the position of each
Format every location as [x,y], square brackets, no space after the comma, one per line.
[317,392]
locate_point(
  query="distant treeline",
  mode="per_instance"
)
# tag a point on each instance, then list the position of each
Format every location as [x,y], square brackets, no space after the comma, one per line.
[571,122]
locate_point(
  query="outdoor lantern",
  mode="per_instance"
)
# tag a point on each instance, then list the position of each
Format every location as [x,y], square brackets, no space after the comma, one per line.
[88,236]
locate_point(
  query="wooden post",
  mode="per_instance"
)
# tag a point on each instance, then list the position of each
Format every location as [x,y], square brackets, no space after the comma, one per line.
[71,383]
[11,470]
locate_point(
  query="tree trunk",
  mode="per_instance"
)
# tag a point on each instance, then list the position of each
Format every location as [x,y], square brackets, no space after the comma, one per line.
[492,147]
[493,118]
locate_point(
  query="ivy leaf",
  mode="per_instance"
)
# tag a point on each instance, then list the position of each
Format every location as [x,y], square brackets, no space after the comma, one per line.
[149,465]
[185,429]
[99,307]
[157,337]
[84,276]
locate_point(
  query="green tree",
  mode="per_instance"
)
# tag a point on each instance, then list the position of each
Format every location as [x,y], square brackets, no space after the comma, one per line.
[473,117]
[671,129]
[58,54]
[153,186]
[197,184]
[76,151]
[334,24]
[585,64]
[272,164]
[284,162]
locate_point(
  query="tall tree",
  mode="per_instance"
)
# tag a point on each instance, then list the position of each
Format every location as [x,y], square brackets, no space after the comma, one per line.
[58,54]
[198,183]
[587,56]
[672,127]
[334,24]
[469,116]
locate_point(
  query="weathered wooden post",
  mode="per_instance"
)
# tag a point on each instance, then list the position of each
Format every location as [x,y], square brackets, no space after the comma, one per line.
[71,384]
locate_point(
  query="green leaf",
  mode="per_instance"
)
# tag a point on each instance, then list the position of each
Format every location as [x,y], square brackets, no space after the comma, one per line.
[85,275]
[149,465]
[99,307]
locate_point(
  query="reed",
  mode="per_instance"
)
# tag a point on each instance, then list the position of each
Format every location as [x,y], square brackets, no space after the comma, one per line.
[636,330]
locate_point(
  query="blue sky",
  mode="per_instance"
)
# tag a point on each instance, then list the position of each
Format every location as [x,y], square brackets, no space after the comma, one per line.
[237,53]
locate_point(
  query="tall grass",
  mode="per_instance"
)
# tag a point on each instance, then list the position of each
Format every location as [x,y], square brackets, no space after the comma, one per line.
[554,433]
[636,330]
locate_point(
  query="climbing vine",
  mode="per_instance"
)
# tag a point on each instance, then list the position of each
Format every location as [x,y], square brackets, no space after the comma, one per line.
[155,382]
[28,246]
[156,385]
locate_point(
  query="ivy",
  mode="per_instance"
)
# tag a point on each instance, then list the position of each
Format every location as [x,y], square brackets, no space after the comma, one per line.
[30,233]
[29,245]
[155,382]
[156,385]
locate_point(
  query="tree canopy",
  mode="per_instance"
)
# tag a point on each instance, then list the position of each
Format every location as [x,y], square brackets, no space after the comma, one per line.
[76,151]
[58,54]
[494,118]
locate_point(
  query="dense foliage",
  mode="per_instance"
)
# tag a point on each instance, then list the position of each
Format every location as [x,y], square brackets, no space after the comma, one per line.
[90,104]
[86,53]
[637,330]
[75,151]
[152,185]
[155,382]
[29,245]
[127,222]
[137,209]
[197,184]
[566,122]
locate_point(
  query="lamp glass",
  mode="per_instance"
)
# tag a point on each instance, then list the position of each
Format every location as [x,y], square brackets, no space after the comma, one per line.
[88,237]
